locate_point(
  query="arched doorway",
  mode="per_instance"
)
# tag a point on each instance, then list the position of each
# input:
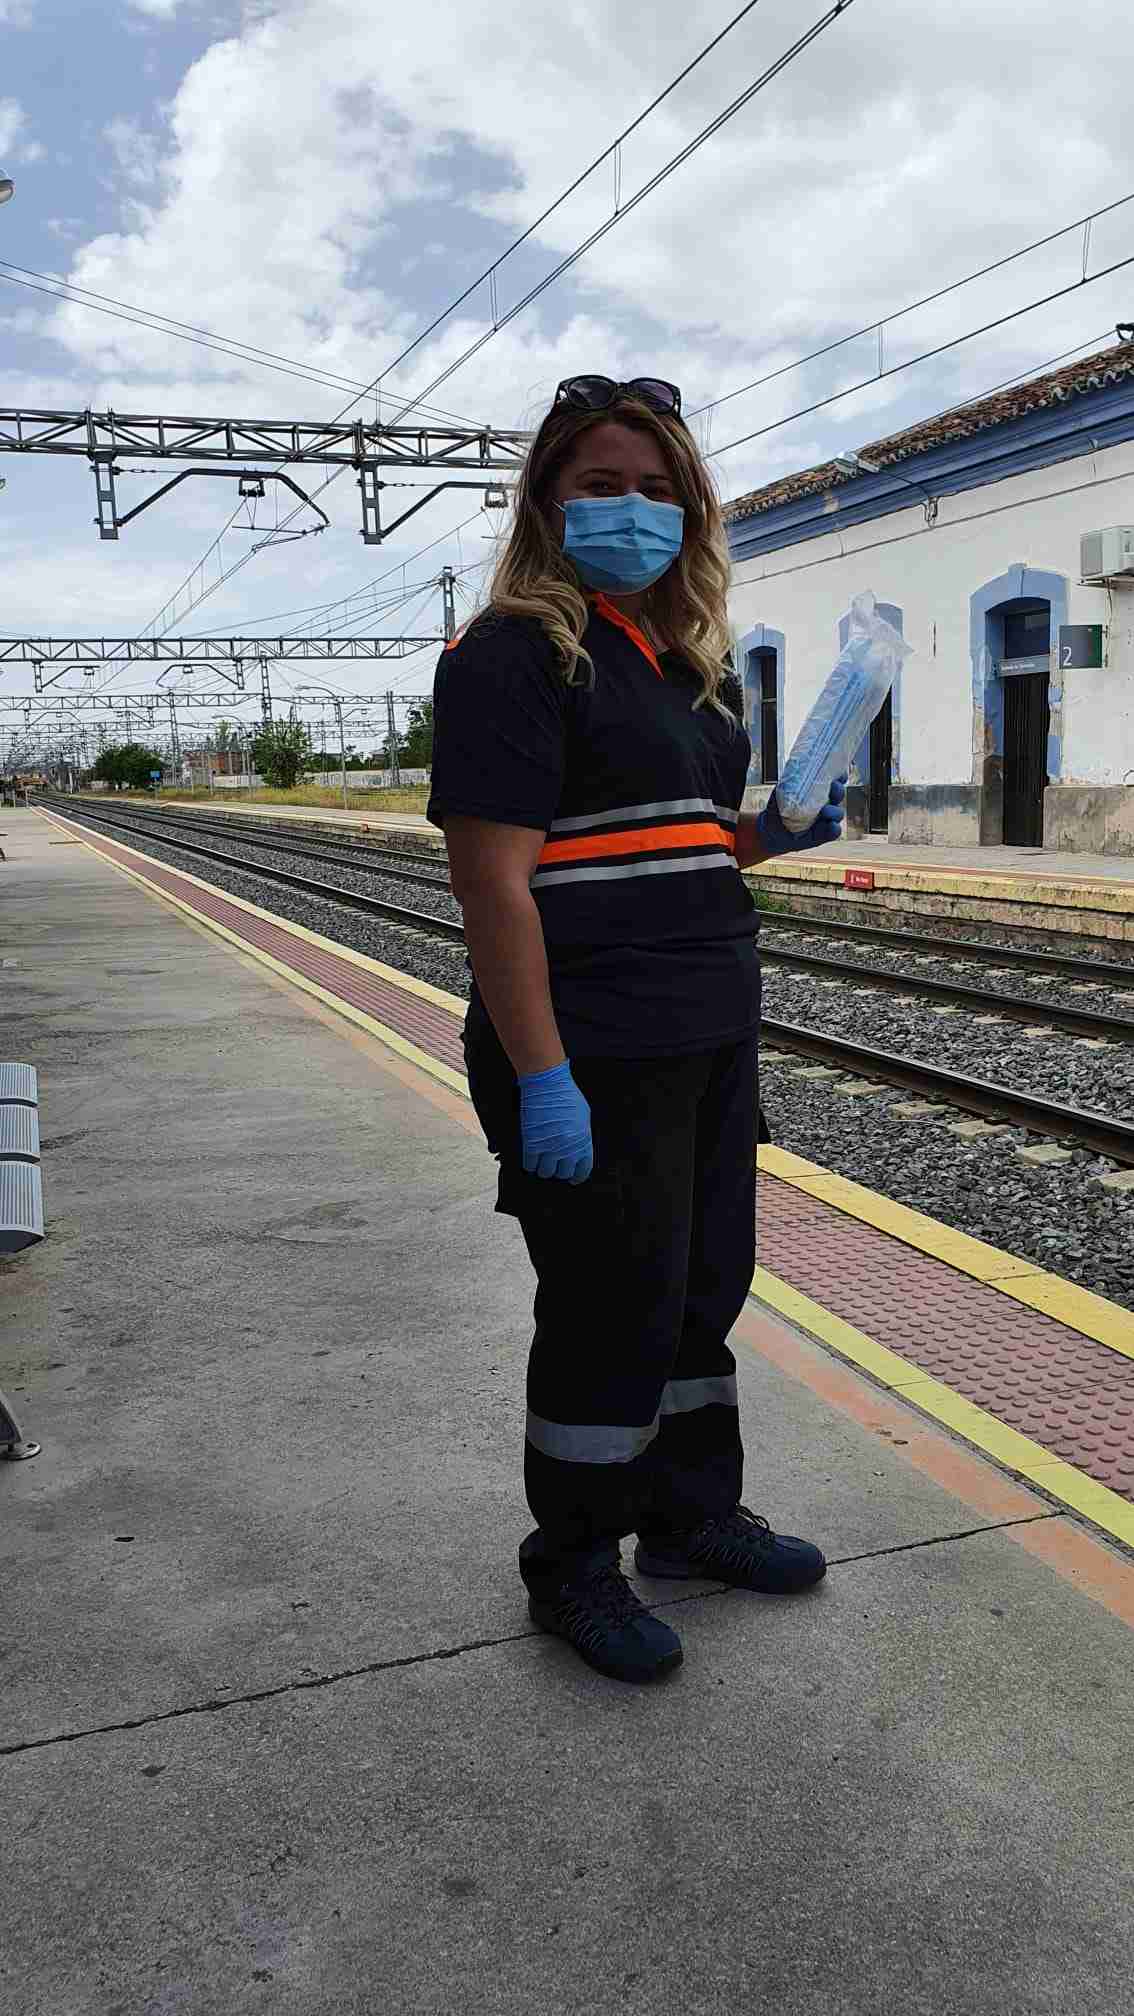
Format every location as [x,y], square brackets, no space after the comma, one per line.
[1025,669]
[1017,701]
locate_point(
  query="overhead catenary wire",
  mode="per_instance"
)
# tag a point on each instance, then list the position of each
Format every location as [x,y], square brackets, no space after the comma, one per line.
[620,212]
[925,300]
[610,152]
[923,356]
[940,525]
[788,56]
[71,294]
[796,49]
[1017,378]
[325,609]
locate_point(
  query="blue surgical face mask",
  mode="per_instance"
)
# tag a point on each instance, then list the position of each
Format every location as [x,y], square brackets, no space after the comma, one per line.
[621,543]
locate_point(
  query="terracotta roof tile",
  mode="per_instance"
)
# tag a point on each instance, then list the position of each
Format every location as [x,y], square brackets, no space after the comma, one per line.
[1105,367]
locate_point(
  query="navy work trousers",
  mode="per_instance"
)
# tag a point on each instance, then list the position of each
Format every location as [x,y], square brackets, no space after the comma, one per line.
[632,1422]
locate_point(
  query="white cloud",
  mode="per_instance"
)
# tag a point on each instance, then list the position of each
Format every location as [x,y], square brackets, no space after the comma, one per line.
[268,201]
[14,143]
[158,10]
[135,150]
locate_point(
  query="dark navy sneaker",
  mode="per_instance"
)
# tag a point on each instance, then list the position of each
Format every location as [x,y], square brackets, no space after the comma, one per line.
[609,1628]
[740,1549]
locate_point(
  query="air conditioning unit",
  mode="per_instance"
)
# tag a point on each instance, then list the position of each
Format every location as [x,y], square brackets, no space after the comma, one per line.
[1107,553]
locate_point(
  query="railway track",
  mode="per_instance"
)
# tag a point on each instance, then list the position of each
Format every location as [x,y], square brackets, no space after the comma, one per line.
[1102,1134]
[441,927]
[340,853]
[959,993]
[1054,965]
[918,944]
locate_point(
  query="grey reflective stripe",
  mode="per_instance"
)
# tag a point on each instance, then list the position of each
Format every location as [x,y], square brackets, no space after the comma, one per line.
[684,1396]
[662,808]
[588,1443]
[680,866]
[727,814]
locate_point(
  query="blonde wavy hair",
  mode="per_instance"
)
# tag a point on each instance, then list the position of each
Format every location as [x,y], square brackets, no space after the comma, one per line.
[686,611]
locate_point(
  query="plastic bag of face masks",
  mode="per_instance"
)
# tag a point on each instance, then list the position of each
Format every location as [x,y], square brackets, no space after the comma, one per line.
[833,731]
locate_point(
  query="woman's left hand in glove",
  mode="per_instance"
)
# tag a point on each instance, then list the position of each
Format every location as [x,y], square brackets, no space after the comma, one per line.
[774,837]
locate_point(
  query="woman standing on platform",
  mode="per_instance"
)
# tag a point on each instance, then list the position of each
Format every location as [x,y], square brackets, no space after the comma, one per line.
[588,777]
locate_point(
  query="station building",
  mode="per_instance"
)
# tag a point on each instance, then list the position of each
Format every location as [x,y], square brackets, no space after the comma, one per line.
[999,538]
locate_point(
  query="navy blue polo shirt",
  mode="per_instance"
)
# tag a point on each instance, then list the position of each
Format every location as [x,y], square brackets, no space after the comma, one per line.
[649,926]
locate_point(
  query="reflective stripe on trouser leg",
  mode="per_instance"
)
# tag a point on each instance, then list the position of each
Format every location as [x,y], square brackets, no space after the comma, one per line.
[611,1257]
[696,1463]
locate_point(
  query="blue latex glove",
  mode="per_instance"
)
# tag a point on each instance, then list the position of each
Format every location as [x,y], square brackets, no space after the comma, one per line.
[555,1125]
[827,825]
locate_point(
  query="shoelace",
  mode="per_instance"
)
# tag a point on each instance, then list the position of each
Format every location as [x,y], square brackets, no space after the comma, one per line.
[730,1539]
[609,1594]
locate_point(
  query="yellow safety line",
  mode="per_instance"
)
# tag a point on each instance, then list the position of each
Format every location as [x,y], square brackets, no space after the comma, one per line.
[1016,1452]
[1021,1280]
[1006,1446]
[452,1002]
[423,1059]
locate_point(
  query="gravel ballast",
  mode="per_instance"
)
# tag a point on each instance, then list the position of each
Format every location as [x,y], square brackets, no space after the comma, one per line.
[1058,1215]
[1006,1053]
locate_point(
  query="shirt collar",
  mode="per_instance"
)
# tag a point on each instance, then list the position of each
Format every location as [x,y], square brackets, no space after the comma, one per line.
[603,606]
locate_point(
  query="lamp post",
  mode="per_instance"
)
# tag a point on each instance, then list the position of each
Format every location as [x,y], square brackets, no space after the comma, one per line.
[858,465]
[336,702]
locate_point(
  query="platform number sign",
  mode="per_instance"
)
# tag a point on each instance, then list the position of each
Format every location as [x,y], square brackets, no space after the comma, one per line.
[1080,645]
[155,774]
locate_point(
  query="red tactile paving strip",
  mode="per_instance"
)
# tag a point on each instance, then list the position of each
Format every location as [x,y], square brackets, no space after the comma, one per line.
[1067,1392]
[410,1015]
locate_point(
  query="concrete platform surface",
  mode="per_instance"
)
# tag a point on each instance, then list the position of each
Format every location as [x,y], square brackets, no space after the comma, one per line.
[1046,864]
[276,1732]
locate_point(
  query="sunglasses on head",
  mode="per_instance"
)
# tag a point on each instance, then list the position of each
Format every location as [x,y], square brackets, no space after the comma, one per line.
[592,394]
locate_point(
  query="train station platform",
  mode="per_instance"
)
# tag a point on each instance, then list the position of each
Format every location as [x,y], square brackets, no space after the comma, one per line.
[276,1731]
[1032,888]
[865,881]
[231,803]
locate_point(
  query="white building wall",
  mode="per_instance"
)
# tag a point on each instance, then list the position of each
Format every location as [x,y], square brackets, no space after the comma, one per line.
[931,572]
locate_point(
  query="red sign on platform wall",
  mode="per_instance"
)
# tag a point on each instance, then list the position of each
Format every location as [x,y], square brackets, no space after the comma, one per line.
[858,878]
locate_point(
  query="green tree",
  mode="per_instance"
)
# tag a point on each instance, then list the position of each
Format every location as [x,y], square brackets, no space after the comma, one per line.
[281,751]
[127,765]
[416,750]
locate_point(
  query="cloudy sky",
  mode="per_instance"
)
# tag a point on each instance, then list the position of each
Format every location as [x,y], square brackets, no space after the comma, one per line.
[320,178]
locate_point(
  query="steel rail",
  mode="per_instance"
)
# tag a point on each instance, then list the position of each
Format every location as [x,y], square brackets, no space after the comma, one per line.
[1015,1007]
[441,927]
[1059,964]
[340,858]
[1112,1138]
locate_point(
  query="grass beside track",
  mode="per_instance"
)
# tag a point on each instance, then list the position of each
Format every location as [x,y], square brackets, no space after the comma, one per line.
[412,799]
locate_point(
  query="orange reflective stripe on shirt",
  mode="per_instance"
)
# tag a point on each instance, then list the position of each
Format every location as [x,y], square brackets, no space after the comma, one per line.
[638,840]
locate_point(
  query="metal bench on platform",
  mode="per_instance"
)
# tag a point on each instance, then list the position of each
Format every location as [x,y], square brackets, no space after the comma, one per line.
[21,1205]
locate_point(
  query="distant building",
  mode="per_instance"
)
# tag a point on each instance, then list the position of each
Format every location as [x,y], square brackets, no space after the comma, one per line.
[1013,722]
